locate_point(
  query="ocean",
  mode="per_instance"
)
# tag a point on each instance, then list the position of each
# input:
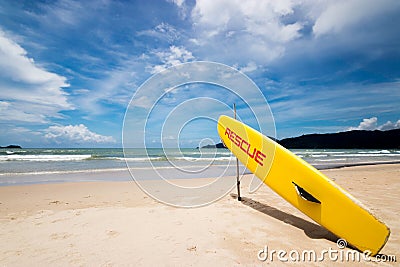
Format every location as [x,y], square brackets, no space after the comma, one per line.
[37,165]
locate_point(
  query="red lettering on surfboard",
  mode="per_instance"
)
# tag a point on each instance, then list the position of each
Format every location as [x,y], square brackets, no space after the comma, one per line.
[245,146]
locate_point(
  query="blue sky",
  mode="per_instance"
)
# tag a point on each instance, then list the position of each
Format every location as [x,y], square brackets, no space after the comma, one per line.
[68,69]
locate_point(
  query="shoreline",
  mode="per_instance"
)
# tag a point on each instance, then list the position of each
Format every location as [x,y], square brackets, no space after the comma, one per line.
[347,165]
[123,174]
[115,223]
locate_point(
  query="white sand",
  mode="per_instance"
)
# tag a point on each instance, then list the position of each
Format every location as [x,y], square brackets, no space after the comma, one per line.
[115,223]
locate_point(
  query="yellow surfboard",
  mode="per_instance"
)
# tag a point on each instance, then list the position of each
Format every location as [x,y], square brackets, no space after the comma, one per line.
[304,186]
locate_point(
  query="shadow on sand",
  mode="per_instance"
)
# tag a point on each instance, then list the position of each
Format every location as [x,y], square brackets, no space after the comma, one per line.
[312,230]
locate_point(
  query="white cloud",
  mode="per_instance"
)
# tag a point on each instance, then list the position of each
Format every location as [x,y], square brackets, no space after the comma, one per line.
[179,3]
[76,134]
[16,65]
[341,14]
[252,29]
[63,12]
[250,67]
[367,124]
[372,124]
[21,112]
[235,31]
[114,87]
[173,56]
[390,126]
[29,92]
[169,137]
[142,102]
[4,105]
[163,31]
[183,7]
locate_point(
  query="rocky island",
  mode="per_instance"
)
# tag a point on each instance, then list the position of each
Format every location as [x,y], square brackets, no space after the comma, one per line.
[11,146]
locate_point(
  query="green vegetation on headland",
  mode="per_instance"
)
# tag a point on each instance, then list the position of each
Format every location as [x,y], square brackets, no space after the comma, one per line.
[344,140]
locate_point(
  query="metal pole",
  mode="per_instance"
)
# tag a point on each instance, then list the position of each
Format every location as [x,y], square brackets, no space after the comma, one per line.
[237,164]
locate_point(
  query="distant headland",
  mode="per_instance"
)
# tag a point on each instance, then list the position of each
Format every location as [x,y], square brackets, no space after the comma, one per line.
[357,139]
[11,146]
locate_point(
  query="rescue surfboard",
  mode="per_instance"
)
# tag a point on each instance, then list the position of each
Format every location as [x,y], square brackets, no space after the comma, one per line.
[304,186]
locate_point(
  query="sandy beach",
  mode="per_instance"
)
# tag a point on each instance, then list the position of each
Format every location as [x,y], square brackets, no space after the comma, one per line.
[116,224]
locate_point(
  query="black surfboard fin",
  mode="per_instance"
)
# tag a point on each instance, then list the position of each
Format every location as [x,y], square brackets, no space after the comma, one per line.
[305,195]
